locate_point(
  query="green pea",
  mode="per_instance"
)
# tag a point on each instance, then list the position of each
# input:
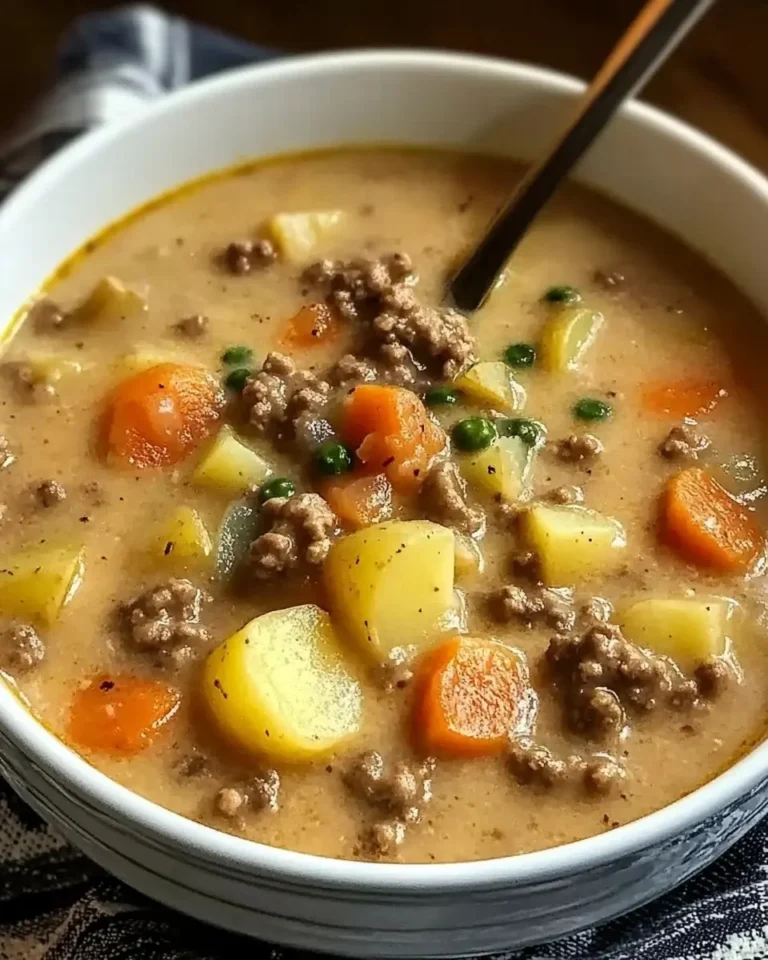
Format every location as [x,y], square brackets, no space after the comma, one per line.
[589,408]
[333,458]
[279,487]
[473,433]
[235,379]
[531,432]
[237,356]
[563,294]
[441,396]
[520,355]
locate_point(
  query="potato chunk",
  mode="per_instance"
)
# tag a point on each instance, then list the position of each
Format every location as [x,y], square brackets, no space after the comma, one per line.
[391,585]
[230,466]
[573,543]
[503,469]
[689,630]
[182,541]
[36,584]
[299,234]
[281,686]
[109,301]
[491,384]
[567,336]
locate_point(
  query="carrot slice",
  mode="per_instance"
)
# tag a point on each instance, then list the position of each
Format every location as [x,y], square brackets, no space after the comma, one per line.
[682,398]
[314,324]
[471,696]
[705,525]
[121,715]
[359,500]
[157,416]
[392,433]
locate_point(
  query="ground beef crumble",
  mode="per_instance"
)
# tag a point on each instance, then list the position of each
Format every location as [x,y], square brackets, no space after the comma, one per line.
[683,443]
[21,648]
[383,838]
[402,333]
[604,677]
[50,492]
[713,678]
[165,620]
[243,256]
[533,763]
[192,765]
[398,790]
[444,499]
[595,611]
[301,528]
[564,495]
[259,792]
[351,370]
[287,403]
[532,605]
[578,448]
[358,287]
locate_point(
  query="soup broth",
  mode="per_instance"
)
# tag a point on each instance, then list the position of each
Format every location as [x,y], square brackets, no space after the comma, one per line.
[526,545]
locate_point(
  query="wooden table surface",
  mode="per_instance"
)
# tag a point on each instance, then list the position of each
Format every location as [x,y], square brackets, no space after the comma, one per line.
[718,80]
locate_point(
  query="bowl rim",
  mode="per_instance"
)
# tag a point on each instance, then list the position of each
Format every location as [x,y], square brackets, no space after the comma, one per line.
[74,775]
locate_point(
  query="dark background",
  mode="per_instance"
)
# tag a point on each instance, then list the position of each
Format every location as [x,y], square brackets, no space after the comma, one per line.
[717,81]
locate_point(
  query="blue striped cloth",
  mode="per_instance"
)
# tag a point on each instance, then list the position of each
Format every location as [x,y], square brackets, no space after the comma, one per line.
[54,903]
[110,65]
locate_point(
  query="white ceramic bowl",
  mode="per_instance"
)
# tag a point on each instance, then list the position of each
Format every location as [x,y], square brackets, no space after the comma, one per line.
[646,160]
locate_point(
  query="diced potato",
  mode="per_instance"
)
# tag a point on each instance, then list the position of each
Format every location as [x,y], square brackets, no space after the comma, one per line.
[298,234]
[391,585]
[36,584]
[109,301]
[230,466]
[567,336]
[281,686]
[689,630]
[50,368]
[503,469]
[468,557]
[182,540]
[573,543]
[491,384]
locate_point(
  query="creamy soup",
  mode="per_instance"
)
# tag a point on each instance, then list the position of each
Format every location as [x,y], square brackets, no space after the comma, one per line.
[296,551]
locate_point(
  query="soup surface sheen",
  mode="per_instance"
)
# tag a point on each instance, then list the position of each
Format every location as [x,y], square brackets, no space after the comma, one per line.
[491,749]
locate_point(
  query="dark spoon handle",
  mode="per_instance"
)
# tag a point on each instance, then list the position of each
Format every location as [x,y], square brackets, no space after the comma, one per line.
[654,33]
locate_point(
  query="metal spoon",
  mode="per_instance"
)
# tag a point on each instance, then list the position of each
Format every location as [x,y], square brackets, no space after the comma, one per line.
[650,38]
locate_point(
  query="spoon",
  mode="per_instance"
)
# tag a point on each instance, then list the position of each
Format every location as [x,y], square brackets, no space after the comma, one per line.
[647,42]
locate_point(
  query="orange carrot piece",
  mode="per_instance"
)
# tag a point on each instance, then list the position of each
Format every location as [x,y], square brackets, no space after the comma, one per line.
[314,324]
[371,408]
[392,433]
[157,416]
[682,398]
[705,525]
[121,715]
[471,696]
[359,500]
